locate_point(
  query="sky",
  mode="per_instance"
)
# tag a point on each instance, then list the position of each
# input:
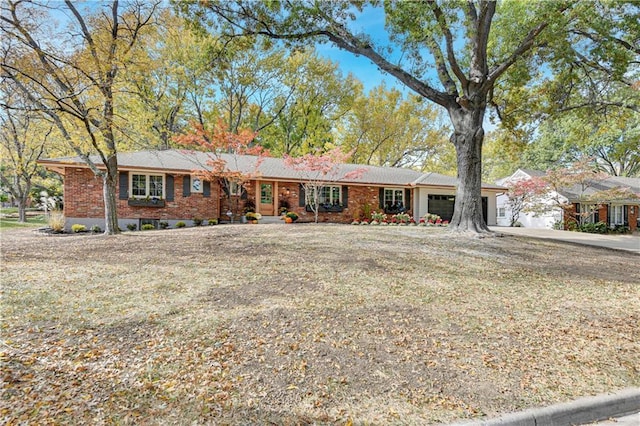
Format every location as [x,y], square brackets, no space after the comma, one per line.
[371,22]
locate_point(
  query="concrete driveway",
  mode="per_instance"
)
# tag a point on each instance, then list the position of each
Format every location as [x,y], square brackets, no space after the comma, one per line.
[619,242]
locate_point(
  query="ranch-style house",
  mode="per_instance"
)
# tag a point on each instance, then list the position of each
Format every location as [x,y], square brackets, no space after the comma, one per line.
[166,186]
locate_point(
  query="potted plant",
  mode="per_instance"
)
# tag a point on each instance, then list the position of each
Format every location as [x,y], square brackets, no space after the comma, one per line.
[290,217]
[253,217]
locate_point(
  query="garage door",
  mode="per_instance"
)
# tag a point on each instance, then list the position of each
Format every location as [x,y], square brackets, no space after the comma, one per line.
[442,205]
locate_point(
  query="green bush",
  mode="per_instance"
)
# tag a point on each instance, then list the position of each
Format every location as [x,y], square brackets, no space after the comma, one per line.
[197,221]
[619,229]
[76,228]
[164,224]
[132,226]
[96,229]
[213,221]
[180,224]
[148,227]
[593,228]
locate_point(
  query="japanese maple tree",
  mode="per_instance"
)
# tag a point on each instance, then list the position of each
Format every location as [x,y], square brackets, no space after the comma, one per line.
[524,195]
[319,170]
[225,150]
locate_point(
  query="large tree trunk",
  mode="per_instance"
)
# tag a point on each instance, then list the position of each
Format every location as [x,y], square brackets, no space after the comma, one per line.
[110,182]
[467,138]
[22,207]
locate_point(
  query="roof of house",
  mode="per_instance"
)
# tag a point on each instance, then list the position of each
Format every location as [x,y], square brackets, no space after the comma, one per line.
[176,160]
[576,192]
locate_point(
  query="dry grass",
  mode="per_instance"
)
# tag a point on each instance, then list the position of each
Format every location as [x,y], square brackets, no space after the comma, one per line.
[308,324]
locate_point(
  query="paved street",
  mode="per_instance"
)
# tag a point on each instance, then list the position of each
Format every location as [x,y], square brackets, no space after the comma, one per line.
[632,420]
[620,242]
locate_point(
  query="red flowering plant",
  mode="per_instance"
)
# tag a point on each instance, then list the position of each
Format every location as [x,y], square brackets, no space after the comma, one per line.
[402,218]
[378,217]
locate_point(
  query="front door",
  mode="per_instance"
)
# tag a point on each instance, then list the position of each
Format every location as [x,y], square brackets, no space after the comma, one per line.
[266,199]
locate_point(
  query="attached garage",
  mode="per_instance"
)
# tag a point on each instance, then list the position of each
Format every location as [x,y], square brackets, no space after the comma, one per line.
[443,205]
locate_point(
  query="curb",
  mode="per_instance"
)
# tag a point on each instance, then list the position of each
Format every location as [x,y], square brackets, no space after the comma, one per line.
[579,412]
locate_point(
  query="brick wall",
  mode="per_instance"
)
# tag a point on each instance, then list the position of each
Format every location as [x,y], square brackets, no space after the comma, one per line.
[602,213]
[633,217]
[83,199]
[358,199]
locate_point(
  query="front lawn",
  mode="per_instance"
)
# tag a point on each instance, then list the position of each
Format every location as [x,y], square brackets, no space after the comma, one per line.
[9,219]
[308,324]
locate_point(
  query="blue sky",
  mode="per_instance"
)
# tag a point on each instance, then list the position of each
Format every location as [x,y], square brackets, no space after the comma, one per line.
[370,21]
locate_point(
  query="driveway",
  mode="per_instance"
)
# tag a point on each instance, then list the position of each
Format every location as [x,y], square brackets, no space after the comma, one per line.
[619,242]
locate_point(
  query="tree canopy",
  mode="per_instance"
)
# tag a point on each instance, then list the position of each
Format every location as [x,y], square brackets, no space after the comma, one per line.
[481,52]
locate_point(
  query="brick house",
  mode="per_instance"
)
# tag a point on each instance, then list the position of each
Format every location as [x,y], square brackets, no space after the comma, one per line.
[618,212]
[165,185]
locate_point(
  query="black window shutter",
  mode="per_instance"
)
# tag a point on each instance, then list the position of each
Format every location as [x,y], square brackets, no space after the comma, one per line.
[407,199]
[186,186]
[609,218]
[170,188]
[123,186]
[243,193]
[345,196]
[381,198]
[301,196]
[596,215]
[206,188]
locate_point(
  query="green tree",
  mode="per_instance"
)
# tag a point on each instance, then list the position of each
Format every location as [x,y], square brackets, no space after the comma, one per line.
[74,81]
[386,129]
[457,39]
[318,98]
[23,137]
[165,69]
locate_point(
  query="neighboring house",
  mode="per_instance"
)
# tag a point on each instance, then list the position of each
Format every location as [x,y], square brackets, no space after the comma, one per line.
[164,186]
[527,220]
[613,212]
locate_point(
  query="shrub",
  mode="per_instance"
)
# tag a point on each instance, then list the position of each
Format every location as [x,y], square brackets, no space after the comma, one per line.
[593,228]
[163,224]
[213,221]
[197,221]
[180,224]
[620,229]
[132,226]
[148,227]
[56,221]
[76,228]
[96,229]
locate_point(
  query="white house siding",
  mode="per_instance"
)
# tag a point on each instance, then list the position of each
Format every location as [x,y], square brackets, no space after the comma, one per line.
[421,202]
[527,220]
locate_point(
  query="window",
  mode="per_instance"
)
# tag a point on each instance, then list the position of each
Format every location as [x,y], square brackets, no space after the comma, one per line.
[617,215]
[143,186]
[393,198]
[587,213]
[266,193]
[502,212]
[234,188]
[328,196]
